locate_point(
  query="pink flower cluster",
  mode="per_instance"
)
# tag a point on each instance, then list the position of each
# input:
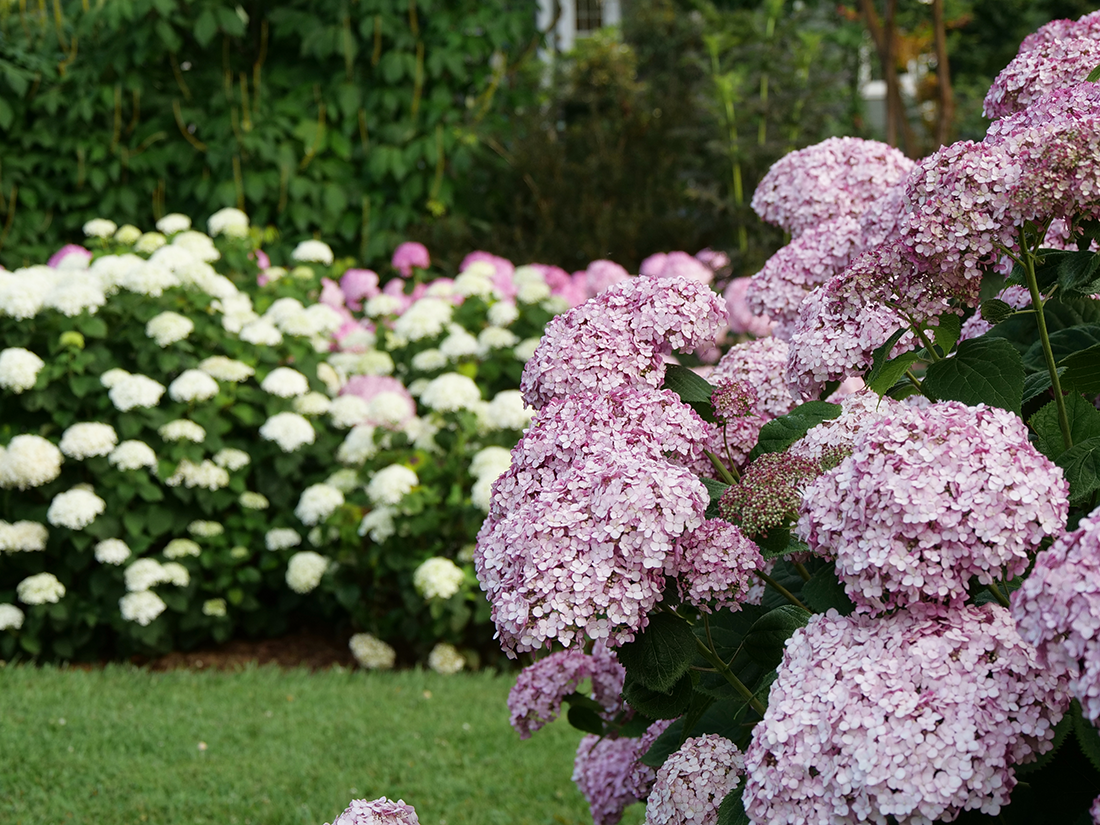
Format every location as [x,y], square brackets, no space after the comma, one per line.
[621,337]
[379,811]
[584,525]
[837,436]
[1058,610]
[1087,26]
[717,563]
[929,498]
[908,718]
[607,771]
[535,700]
[692,783]
[1049,65]
[410,255]
[835,178]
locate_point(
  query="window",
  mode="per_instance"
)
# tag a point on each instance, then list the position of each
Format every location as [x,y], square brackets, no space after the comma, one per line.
[589,15]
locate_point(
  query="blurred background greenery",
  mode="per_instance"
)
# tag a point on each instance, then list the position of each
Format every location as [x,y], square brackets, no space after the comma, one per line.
[370,122]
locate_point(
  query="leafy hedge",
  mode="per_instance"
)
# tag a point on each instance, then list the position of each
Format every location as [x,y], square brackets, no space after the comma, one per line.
[351,118]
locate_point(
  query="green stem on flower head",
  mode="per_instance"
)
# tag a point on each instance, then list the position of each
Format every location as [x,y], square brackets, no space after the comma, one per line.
[721,468]
[784,592]
[729,453]
[916,381]
[998,595]
[1044,338]
[716,660]
[924,341]
[802,571]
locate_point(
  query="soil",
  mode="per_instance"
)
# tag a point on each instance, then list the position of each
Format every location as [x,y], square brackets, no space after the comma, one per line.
[305,648]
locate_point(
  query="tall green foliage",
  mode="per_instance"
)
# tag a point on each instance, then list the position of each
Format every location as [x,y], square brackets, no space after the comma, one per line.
[348,117]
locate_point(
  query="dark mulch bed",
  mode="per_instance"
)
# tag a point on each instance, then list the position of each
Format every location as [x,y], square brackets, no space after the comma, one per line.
[304,648]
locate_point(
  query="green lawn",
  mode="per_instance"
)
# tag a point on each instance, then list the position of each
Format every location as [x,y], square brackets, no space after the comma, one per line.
[265,747]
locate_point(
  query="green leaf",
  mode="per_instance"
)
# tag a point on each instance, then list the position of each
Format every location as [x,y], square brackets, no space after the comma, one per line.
[1094,75]
[693,390]
[714,490]
[994,310]
[659,704]
[982,370]
[1061,731]
[1037,383]
[1084,423]
[7,115]
[1087,735]
[205,27]
[660,654]
[1063,343]
[891,372]
[1082,370]
[732,809]
[665,745]
[1081,464]
[780,433]
[881,354]
[947,330]
[1078,273]
[585,719]
[825,592]
[767,636]
[92,326]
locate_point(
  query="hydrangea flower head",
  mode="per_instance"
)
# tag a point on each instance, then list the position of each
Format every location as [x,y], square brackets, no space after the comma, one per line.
[535,699]
[87,439]
[75,509]
[41,588]
[313,251]
[769,492]
[19,369]
[379,811]
[169,327]
[304,571]
[438,578]
[603,770]
[692,783]
[716,566]
[193,385]
[29,461]
[371,652]
[408,255]
[289,430]
[1046,66]
[915,717]
[929,498]
[444,658]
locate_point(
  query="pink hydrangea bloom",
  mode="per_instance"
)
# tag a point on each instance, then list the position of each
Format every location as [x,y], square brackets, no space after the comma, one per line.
[368,386]
[261,259]
[1087,26]
[717,566]
[503,270]
[741,319]
[643,776]
[601,274]
[692,783]
[620,338]
[331,294]
[1094,811]
[359,285]
[652,266]
[65,251]
[408,255]
[603,771]
[1058,611]
[379,811]
[837,436]
[930,497]
[880,221]
[535,700]
[808,261]
[959,214]
[909,718]
[677,265]
[1050,65]
[715,259]
[836,178]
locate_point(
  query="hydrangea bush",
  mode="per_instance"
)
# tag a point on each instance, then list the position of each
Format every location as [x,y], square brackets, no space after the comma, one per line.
[851,577]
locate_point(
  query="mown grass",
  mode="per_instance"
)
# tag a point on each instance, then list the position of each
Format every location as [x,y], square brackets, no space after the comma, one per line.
[268,747]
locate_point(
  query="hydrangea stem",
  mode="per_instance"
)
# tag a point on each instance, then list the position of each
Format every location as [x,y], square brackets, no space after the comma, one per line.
[721,468]
[731,677]
[784,592]
[1028,261]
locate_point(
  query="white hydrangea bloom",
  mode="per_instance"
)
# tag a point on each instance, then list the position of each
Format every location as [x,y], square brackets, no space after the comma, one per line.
[198,244]
[378,524]
[169,327]
[132,455]
[490,461]
[450,392]
[148,278]
[525,349]
[142,607]
[476,280]
[173,223]
[555,305]
[11,617]
[445,659]
[391,484]
[222,368]
[438,578]
[348,411]
[492,338]
[29,461]
[358,340]
[233,223]
[41,588]
[358,445]
[289,430]
[23,537]
[426,318]
[142,574]
[135,391]
[381,305]
[429,360]
[282,538]
[274,273]
[232,459]
[503,313]
[531,286]
[19,369]
[127,235]
[75,508]
[422,433]
[23,292]
[313,251]
[87,439]
[149,243]
[312,403]
[207,475]
[75,294]
[441,289]
[113,376]
[261,333]
[320,319]
[330,378]
[253,501]
[100,228]
[371,653]
[459,344]
[179,548]
[193,385]
[215,608]
[416,388]
[182,429]
[304,571]
[176,259]
[507,411]
[374,362]
[176,574]
[345,480]
[389,408]
[112,551]
[317,503]
[285,383]
[283,308]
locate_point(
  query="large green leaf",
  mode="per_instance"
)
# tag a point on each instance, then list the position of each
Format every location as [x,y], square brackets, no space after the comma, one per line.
[1082,370]
[825,592]
[657,704]
[694,390]
[1063,343]
[1084,423]
[660,654]
[766,638]
[780,433]
[1081,464]
[982,371]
